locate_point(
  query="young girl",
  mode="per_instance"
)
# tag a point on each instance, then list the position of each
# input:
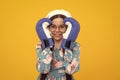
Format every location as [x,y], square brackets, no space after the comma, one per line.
[57,63]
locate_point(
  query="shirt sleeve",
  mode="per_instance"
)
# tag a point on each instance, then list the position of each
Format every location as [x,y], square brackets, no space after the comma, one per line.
[44,59]
[71,59]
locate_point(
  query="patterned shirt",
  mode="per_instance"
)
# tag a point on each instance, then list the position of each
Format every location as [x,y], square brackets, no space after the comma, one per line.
[58,62]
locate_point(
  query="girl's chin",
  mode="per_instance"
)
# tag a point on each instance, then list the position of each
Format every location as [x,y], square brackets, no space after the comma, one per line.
[57,38]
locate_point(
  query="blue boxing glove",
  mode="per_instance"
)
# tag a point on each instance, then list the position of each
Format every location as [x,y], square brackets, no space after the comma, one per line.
[71,33]
[44,33]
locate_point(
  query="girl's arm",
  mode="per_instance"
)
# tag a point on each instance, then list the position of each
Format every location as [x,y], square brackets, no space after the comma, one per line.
[44,59]
[71,59]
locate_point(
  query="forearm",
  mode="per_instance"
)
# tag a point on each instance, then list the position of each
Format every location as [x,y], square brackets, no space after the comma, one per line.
[71,60]
[42,67]
[71,67]
[44,59]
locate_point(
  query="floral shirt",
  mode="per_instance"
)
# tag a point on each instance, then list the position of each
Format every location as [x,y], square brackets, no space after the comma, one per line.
[58,62]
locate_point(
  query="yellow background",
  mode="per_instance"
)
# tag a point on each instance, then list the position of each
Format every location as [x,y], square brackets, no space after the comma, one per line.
[99,37]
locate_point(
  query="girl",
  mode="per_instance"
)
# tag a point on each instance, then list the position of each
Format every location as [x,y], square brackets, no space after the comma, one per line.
[57,63]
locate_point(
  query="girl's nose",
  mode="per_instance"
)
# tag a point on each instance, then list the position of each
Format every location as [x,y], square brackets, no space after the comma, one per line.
[57,29]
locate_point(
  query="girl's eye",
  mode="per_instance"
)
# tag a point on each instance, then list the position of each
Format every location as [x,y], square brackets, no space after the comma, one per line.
[62,26]
[53,26]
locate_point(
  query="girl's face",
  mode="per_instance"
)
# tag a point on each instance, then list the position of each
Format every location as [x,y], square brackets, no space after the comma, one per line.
[57,29]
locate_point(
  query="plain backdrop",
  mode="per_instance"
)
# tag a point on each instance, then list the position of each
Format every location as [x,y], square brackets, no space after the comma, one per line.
[99,37]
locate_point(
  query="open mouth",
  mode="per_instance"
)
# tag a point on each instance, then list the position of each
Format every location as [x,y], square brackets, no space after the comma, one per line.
[57,35]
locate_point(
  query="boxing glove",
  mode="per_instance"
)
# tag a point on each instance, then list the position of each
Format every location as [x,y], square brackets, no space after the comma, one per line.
[44,33]
[71,33]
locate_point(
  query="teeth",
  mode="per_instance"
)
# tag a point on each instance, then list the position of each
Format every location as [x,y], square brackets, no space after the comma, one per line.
[57,35]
